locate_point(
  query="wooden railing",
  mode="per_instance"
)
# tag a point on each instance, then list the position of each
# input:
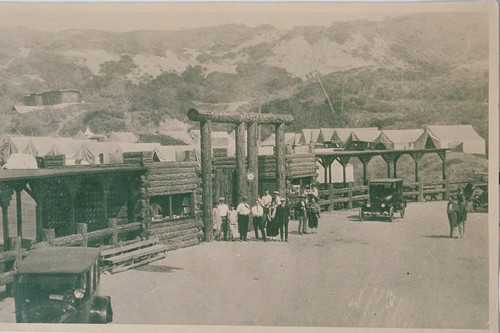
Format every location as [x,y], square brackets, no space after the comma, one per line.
[9,260]
[331,198]
[106,238]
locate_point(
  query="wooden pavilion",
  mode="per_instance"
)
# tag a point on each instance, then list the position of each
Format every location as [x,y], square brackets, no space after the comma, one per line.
[70,195]
[390,157]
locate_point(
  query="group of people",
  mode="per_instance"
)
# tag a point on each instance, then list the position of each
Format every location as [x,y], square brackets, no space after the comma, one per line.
[270,216]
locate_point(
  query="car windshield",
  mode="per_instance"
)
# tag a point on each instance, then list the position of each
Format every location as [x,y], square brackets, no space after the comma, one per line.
[381,190]
[55,287]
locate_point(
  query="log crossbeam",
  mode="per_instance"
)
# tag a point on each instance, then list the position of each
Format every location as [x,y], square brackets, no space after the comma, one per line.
[236,118]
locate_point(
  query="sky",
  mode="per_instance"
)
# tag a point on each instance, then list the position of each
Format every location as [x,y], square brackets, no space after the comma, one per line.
[120,17]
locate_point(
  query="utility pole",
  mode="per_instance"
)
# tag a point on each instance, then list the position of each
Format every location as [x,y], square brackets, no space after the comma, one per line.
[342,103]
[324,91]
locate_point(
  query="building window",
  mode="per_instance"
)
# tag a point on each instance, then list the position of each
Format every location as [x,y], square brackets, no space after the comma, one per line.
[220,152]
[172,206]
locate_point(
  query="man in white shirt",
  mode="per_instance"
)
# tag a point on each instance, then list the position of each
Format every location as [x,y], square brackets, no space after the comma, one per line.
[266,200]
[223,210]
[243,210]
[257,218]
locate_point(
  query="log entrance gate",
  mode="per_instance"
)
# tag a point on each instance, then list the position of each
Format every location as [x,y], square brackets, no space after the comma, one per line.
[246,171]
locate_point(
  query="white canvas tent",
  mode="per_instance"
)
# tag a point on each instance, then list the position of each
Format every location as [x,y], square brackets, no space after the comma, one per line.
[105,152]
[461,138]
[339,136]
[21,161]
[126,147]
[309,136]
[82,156]
[325,135]
[291,139]
[220,140]
[174,153]
[401,139]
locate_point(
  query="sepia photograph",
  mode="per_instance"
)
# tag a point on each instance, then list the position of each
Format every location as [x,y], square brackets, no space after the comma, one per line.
[238,164]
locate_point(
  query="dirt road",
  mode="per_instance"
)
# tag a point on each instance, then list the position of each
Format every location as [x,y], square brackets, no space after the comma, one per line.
[368,274]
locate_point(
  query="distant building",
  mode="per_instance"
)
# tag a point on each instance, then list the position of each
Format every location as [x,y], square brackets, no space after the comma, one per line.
[49,100]
[53,97]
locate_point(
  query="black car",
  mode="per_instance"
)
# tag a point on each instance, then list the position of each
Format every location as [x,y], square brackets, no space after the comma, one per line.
[60,285]
[385,198]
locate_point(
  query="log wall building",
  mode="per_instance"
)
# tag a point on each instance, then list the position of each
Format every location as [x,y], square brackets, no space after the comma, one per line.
[300,169]
[170,200]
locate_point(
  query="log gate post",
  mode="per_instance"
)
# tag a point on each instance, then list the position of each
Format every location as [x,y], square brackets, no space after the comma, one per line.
[206,176]
[280,159]
[241,179]
[253,159]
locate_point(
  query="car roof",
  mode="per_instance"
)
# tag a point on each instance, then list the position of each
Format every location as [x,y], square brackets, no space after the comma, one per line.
[53,260]
[386,180]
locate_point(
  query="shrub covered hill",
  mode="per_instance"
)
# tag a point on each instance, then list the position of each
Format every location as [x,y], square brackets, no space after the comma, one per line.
[402,72]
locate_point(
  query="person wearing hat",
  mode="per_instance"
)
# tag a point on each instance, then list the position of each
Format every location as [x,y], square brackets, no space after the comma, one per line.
[223,210]
[301,213]
[243,210]
[258,219]
[276,197]
[282,216]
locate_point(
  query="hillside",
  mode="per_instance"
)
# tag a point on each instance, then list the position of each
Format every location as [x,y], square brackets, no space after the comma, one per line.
[402,72]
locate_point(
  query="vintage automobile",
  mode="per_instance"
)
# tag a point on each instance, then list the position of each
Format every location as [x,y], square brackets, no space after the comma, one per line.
[60,285]
[385,198]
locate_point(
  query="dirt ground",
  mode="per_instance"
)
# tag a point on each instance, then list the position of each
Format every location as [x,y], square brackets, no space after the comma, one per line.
[404,274]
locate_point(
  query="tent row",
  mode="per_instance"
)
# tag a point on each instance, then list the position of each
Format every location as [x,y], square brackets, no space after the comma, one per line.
[462,138]
[85,152]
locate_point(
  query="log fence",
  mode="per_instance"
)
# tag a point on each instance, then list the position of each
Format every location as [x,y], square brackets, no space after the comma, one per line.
[331,198]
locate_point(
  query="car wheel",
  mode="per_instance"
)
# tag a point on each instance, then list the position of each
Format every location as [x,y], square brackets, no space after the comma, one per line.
[402,212]
[391,214]
[361,214]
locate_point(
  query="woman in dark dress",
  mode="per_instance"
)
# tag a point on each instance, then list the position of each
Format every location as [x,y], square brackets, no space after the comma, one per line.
[272,223]
[313,213]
